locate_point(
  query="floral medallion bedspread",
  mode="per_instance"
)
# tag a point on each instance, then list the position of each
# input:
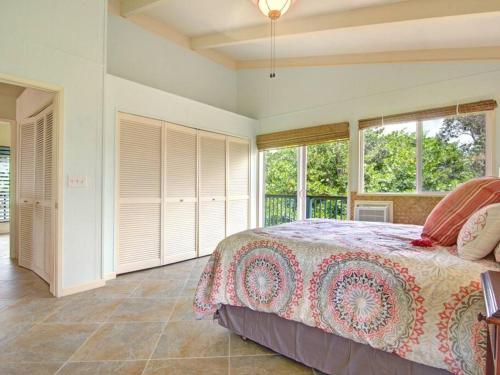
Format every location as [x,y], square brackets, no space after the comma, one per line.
[362,281]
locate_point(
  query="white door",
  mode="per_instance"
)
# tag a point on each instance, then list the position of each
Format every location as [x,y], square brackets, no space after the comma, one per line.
[212,206]
[140,193]
[36,202]
[26,191]
[181,193]
[238,197]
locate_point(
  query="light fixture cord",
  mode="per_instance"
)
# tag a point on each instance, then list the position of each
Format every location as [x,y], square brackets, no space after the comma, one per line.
[272,73]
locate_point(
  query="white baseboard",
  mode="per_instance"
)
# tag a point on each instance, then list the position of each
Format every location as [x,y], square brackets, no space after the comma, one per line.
[109,276]
[83,287]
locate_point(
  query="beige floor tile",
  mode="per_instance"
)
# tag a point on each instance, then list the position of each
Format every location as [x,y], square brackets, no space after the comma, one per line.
[240,347]
[183,310]
[159,288]
[19,288]
[193,339]
[29,368]
[85,310]
[30,310]
[113,289]
[9,331]
[170,273]
[46,343]
[205,366]
[103,368]
[120,341]
[190,287]
[144,310]
[4,303]
[264,365]
[13,272]
[138,275]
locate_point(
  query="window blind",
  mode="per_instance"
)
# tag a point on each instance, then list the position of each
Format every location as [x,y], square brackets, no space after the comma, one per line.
[304,136]
[428,114]
[4,183]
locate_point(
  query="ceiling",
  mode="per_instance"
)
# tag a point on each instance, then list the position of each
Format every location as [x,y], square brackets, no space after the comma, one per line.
[10,90]
[235,32]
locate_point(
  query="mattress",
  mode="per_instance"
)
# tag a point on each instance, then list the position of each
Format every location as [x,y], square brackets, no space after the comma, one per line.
[361,281]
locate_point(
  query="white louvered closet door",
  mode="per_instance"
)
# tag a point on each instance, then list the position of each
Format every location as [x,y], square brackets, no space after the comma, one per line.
[212,193]
[36,193]
[49,193]
[238,166]
[181,193]
[140,193]
[26,191]
[38,209]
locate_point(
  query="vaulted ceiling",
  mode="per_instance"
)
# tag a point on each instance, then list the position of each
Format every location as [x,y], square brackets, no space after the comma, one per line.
[325,32]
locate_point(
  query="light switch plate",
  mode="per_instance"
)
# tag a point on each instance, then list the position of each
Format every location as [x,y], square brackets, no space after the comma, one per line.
[77,181]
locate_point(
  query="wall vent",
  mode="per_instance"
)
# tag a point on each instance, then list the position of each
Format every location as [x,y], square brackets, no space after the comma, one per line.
[375,211]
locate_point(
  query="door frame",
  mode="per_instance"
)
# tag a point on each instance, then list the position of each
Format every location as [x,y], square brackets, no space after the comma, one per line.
[58,105]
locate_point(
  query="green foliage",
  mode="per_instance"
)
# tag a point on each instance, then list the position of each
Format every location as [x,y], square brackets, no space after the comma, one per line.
[281,171]
[390,161]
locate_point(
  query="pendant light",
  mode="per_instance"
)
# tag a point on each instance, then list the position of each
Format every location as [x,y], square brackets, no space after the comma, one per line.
[273,9]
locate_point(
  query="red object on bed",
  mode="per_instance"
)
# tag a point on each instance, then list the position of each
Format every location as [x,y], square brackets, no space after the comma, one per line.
[422,242]
[447,218]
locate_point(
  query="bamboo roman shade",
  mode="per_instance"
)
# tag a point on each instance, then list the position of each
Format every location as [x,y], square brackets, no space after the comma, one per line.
[304,136]
[428,114]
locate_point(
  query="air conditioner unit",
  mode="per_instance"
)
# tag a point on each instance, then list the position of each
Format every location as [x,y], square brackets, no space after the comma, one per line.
[376,211]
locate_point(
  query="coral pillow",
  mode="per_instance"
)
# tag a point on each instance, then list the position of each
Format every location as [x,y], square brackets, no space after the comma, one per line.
[448,217]
[480,234]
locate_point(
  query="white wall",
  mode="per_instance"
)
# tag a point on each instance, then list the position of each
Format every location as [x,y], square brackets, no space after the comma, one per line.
[61,42]
[140,56]
[7,107]
[131,97]
[301,97]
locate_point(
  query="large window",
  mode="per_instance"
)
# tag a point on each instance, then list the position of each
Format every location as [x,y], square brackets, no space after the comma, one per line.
[424,156]
[305,182]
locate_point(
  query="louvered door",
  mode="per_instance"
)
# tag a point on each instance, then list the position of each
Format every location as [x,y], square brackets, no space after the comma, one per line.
[181,193]
[36,201]
[238,166]
[49,195]
[26,191]
[212,191]
[140,193]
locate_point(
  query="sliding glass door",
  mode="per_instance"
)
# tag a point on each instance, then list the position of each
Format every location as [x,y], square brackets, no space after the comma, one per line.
[327,180]
[304,182]
[280,185]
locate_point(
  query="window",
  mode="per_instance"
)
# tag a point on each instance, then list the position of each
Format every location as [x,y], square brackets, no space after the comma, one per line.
[423,156]
[4,183]
[305,182]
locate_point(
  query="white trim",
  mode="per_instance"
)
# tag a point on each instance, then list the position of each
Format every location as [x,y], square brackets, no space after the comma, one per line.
[301,182]
[82,287]
[109,276]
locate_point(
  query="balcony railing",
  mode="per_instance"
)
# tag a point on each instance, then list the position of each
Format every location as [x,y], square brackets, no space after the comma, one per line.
[281,209]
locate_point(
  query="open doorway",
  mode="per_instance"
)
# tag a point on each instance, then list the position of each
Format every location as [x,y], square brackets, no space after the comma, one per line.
[28,192]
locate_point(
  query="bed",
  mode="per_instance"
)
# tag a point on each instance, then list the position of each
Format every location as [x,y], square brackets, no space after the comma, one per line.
[350,297]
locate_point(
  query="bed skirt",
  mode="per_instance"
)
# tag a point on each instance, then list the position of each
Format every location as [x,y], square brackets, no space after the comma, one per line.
[326,352]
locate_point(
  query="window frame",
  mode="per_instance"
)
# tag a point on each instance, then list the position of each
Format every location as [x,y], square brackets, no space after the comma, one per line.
[301,183]
[489,153]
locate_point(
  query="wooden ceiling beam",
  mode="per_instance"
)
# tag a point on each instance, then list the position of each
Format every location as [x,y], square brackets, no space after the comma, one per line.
[410,10]
[131,7]
[410,56]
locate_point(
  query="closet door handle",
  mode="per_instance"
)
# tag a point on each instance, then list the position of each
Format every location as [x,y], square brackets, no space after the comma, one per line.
[213,199]
[25,201]
[37,202]
[181,200]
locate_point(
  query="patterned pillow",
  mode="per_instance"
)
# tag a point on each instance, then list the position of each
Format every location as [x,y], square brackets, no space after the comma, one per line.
[480,234]
[448,217]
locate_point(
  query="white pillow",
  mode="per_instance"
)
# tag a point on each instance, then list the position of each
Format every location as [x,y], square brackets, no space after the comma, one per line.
[497,252]
[480,234]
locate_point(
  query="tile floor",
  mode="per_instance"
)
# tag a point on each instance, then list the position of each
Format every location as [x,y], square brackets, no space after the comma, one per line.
[140,323]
